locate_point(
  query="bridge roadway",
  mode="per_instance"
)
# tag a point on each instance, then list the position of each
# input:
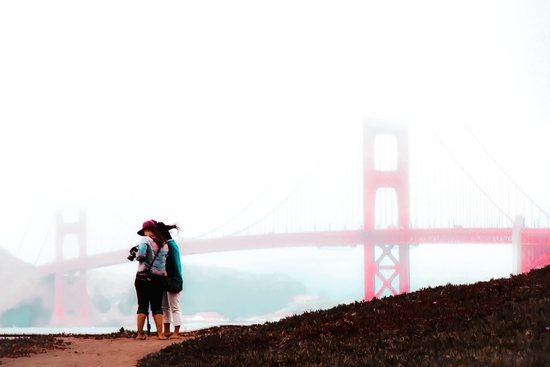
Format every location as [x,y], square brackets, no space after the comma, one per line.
[530,236]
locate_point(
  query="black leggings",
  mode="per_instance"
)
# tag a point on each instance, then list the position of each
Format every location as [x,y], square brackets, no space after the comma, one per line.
[149,292]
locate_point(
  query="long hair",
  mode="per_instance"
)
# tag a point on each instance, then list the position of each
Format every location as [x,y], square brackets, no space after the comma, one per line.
[162,231]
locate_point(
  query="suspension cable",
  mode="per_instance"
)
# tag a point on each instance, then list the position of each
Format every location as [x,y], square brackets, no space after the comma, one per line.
[467,174]
[245,208]
[45,239]
[503,171]
[24,236]
[321,160]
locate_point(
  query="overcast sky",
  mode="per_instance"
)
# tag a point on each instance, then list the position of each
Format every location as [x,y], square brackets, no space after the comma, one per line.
[184,111]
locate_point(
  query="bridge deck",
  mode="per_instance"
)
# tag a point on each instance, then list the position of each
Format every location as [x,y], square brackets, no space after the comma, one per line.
[530,236]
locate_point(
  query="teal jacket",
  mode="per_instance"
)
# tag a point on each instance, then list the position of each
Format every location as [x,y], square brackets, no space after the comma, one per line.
[173,264]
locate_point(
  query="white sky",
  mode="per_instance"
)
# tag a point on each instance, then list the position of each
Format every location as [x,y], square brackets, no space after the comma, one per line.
[184,111]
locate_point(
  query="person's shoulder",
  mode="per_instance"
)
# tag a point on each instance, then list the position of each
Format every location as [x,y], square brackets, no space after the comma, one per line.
[172,242]
[146,240]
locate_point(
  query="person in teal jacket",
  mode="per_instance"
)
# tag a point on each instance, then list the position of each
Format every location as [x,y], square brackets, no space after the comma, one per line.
[171,311]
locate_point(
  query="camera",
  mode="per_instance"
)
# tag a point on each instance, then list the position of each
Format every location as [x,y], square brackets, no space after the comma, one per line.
[133,252]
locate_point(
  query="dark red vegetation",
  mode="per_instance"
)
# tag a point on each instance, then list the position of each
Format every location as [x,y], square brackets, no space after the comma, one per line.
[23,346]
[502,322]
[20,345]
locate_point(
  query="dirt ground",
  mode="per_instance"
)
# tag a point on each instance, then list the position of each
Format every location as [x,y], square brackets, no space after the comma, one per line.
[92,352]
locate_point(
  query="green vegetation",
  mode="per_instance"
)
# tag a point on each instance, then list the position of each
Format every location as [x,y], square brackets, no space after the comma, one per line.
[30,313]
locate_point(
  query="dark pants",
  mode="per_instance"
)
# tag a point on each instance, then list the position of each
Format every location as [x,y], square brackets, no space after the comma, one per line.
[149,292]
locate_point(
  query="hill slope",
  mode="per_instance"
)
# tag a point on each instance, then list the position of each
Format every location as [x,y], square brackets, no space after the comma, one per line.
[503,322]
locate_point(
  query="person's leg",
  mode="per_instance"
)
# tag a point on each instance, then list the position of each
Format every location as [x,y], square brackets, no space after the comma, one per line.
[140,322]
[158,325]
[166,331]
[176,334]
[143,307]
[157,291]
[166,314]
[174,303]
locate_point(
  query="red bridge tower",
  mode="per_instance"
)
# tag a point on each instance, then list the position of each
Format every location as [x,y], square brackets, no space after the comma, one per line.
[71,298]
[385,184]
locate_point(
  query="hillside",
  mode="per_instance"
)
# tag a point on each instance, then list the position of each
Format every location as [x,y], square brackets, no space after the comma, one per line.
[26,296]
[501,322]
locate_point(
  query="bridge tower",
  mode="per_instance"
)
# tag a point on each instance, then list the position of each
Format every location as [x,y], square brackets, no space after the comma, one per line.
[385,185]
[71,300]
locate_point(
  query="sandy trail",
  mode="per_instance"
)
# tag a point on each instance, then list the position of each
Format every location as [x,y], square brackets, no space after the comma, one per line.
[92,352]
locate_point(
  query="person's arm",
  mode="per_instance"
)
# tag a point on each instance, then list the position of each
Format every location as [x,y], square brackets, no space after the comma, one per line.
[175,258]
[141,254]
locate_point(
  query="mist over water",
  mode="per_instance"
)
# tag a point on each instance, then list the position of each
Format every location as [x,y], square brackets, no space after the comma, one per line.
[200,113]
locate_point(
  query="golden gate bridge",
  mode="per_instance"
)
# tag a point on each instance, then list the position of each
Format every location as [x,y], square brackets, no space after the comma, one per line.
[387,188]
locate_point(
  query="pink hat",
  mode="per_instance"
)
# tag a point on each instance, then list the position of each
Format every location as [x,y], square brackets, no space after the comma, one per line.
[147,224]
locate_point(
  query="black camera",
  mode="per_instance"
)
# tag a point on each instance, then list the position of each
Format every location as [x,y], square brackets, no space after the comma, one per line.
[133,252]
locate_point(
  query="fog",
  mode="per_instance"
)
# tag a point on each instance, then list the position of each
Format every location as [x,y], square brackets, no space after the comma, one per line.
[189,112]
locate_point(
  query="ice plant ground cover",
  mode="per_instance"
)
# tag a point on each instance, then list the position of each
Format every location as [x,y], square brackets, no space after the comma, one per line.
[501,322]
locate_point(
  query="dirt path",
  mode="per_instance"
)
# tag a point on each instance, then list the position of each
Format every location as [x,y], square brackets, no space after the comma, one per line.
[91,352]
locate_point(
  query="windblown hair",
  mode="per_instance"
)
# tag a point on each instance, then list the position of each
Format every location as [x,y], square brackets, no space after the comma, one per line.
[164,231]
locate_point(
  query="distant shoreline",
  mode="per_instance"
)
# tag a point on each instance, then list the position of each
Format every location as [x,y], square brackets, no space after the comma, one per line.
[103,330]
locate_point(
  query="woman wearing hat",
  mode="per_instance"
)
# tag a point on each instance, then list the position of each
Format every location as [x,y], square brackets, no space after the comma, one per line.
[152,253]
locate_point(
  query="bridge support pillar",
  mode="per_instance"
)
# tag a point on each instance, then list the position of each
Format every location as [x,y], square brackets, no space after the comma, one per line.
[385,189]
[71,297]
[384,266]
[531,246]
[517,260]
